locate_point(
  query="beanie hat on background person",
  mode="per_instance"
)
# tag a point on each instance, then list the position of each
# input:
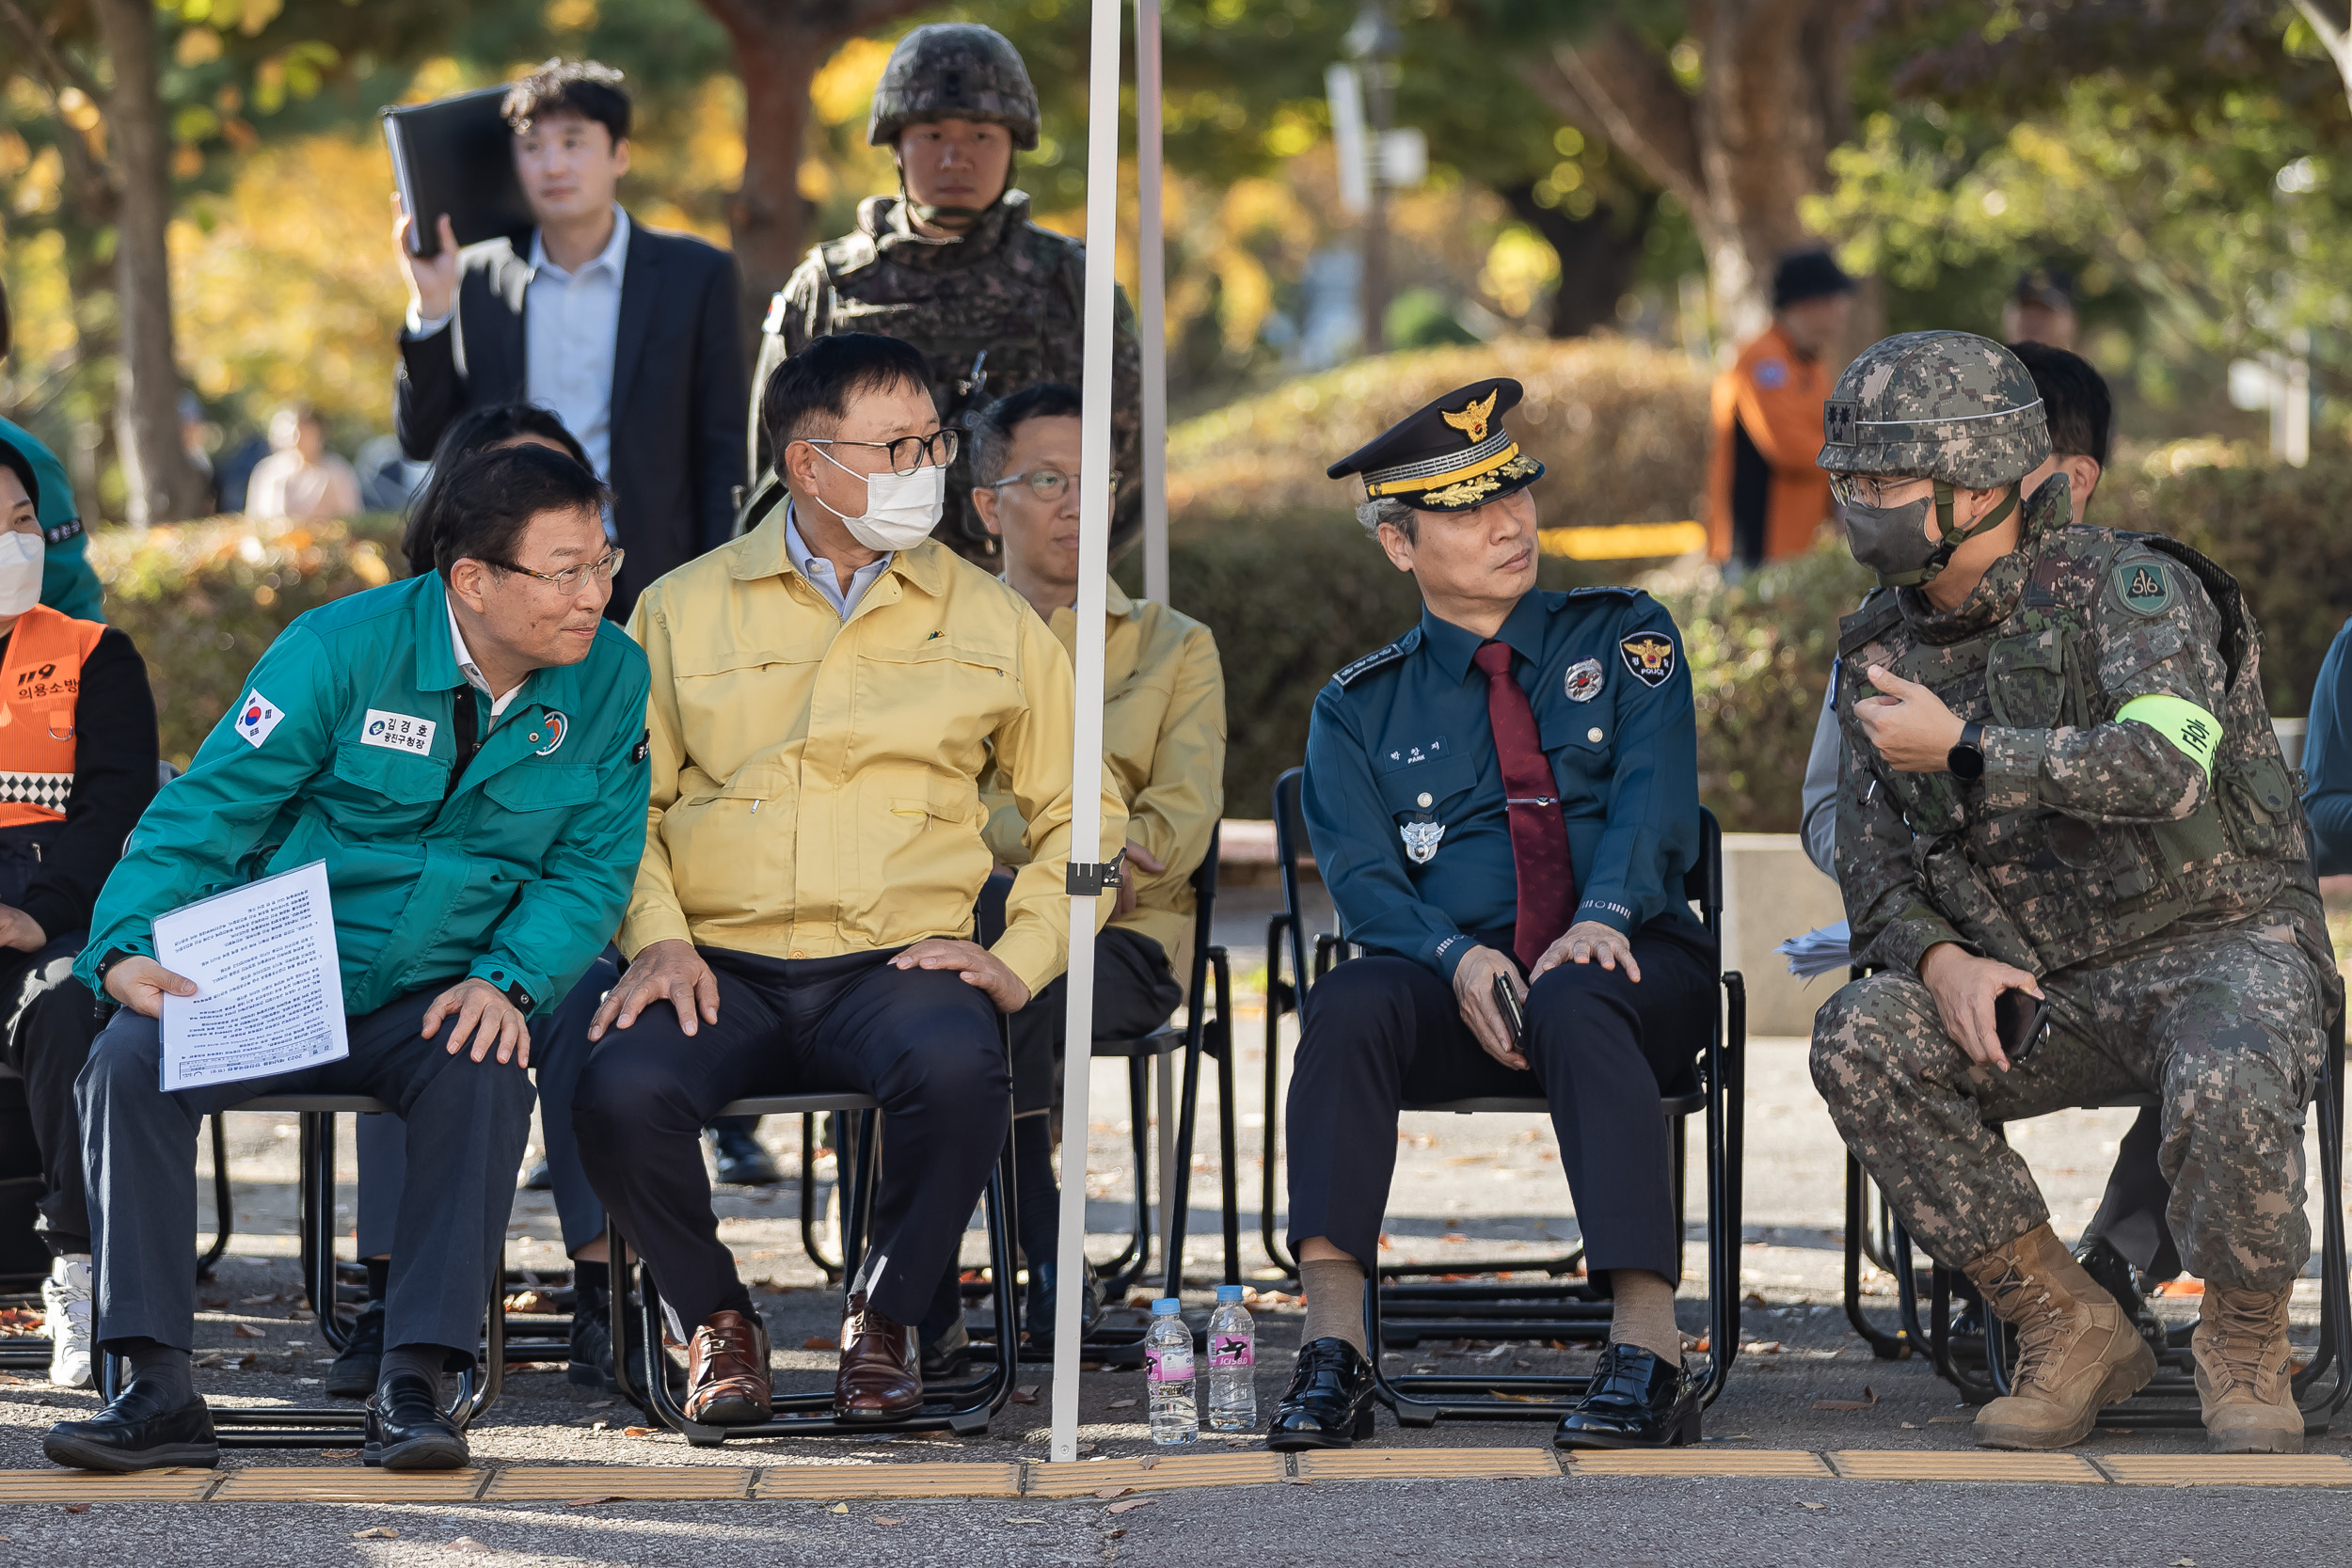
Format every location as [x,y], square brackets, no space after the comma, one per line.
[1804,275]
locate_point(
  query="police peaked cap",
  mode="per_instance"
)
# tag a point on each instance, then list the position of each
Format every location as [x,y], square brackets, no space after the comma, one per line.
[1450,456]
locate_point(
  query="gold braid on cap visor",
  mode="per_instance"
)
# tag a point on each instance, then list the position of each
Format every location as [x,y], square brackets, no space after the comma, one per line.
[1385,485]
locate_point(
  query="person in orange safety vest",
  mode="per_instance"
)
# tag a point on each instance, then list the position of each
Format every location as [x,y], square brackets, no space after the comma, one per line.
[1765,498]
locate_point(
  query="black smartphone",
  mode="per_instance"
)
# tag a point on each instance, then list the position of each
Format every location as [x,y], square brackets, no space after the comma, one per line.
[2020,1019]
[1507,1004]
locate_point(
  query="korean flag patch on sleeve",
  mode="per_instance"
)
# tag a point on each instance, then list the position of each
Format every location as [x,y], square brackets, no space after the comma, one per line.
[256,717]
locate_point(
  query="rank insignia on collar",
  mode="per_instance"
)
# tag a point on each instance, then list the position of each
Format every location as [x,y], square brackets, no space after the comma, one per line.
[1649,658]
[1420,840]
[1585,680]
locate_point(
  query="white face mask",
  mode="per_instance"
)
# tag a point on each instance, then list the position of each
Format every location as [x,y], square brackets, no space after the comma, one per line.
[900,509]
[20,559]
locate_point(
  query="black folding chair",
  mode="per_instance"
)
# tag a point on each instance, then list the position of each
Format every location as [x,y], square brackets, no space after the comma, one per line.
[326,1427]
[652,1380]
[1980,1367]
[1566,1310]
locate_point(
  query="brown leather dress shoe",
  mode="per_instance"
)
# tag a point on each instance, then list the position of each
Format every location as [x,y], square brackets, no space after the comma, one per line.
[882,1372]
[726,1372]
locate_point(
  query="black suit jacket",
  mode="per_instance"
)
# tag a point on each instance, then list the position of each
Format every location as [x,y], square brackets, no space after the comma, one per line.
[678,395]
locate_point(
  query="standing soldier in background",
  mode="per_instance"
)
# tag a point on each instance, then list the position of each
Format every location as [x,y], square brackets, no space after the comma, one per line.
[954,265]
[1765,498]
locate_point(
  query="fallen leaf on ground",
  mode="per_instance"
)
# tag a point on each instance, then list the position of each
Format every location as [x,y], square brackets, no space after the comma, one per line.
[1951,1420]
[1814,1507]
[590,1502]
[1122,1405]
[820,1341]
[78,1507]
[599,1404]
[880,1520]
[246,1362]
[1869,1397]
[467,1543]
[1114,1491]
[246,1331]
[1520,1399]
[1147,1462]
[1131,1504]
[1911,1426]
[211,1360]
[838,1508]
[338,1453]
[1028,1521]
[1114,1534]
[2184,1562]
[2183,1286]
[637,1431]
[375,1532]
[1024,1394]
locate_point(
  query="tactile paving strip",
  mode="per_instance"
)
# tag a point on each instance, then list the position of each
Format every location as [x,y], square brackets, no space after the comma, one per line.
[97,1486]
[1697,1462]
[348,1483]
[1428,1465]
[666,1483]
[1947,1465]
[829,1482]
[2227,1469]
[1172,1473]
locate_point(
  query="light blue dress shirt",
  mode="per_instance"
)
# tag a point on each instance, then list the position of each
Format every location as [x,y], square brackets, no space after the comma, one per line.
[819,571]
[571,323]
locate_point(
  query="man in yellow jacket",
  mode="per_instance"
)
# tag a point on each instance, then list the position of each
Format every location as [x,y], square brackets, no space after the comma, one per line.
[1765,498]
[827,691]
[1164,741]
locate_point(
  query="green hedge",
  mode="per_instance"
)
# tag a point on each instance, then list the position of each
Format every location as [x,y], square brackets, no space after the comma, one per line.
[1292,596]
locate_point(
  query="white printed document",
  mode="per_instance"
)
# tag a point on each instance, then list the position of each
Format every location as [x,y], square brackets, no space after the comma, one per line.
[269,987]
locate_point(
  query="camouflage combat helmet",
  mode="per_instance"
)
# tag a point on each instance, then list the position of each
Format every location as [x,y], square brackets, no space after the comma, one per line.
[1943,405]
[954,70]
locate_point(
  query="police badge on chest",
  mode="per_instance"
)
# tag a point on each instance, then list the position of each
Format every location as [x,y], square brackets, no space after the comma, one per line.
[1421,836]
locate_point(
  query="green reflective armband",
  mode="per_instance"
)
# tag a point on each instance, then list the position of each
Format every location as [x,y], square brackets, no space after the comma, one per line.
[2180,722]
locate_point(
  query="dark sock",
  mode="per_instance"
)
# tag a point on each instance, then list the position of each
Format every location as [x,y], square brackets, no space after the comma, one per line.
[737,1299]
[1039,1200]
[379,1277]
[426,1361]
[161,1368]
[587,1276]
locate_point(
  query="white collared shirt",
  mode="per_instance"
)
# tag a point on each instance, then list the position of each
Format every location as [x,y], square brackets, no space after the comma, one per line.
[473,672]
[819,571]
[571,328]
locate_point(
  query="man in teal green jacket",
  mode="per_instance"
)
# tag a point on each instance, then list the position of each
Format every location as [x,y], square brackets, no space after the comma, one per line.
[465,752]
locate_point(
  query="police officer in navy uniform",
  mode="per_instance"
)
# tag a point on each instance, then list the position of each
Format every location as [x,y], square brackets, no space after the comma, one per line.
[1506,792]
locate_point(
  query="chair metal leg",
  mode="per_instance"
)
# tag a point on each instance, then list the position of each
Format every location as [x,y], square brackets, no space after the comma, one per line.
[1170,1223]
[1280,997]
[830,1267]
[1123,1270]
[1884,1346]
[224,1213]
[1229,1154]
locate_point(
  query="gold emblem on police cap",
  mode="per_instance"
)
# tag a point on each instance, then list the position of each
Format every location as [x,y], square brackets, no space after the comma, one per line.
[1472,420]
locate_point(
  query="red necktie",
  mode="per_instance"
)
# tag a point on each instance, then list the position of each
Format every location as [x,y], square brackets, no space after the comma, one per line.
[1539,834]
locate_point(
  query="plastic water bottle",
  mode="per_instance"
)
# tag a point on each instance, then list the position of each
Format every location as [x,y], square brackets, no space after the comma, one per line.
[1168,1357]
[1232,1364]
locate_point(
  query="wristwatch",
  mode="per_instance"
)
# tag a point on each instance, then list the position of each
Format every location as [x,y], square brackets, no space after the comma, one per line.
[1965,760]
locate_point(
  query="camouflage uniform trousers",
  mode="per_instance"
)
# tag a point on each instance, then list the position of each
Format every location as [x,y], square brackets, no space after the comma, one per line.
[2225,1028]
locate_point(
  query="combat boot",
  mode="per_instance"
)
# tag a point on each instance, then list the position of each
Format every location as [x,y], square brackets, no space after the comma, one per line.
[2076,1349]
[2240,1347]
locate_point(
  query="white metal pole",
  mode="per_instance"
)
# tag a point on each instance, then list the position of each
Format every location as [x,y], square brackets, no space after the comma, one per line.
[1086,748]
[1151,309]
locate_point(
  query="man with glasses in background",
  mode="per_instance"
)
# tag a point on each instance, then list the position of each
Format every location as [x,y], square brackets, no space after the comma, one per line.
[827,692]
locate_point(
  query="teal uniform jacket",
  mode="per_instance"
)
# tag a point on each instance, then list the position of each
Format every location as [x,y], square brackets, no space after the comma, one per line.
[1404,793]
[340,749]
[68,585]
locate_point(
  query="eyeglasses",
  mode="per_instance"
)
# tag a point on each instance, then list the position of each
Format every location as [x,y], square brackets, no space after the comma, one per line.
[571,578]
[1868,489]
[1047,484]
[909,454]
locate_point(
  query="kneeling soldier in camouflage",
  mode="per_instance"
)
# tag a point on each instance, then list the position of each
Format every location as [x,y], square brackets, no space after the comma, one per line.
[2064,785]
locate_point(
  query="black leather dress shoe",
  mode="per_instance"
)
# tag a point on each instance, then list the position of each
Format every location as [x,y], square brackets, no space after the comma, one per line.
[1328,1403]
[1638,1399]
[136,1433]
[950,1356]
[741,1160]
[592,1339]
[352,1375]
[1039,1313]
[407,1429]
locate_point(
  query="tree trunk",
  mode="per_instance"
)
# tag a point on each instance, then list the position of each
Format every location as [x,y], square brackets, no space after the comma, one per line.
[767,215]
[1743,150]
[162,484]
[1597,257]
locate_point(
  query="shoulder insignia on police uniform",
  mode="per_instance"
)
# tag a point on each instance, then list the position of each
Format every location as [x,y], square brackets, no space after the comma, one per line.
[2143,586]
[1370,663]
[1605,590]
[1649,657]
